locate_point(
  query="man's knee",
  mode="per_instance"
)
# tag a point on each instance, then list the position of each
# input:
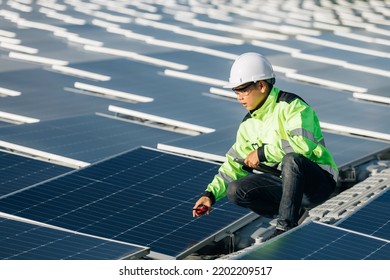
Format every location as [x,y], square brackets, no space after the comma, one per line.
[232,192]
[293,161]
[292,158]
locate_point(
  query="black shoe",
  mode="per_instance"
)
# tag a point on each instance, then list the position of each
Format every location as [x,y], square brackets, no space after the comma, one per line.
[274,234]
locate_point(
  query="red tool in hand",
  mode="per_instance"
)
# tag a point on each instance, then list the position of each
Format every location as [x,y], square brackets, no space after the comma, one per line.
[201,209]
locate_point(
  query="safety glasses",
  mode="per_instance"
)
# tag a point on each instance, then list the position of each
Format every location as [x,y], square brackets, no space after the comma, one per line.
[245,89]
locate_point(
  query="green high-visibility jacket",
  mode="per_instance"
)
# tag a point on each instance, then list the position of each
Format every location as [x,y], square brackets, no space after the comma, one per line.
[283,124]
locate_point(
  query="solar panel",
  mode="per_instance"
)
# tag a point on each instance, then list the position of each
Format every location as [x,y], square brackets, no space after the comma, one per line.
[43,95]
[332,37]
[143,197]
[347,76]
[286,60]
[332,106]
[337,108]
[239,49]
[372,219]
[49,45]
[315,241]
[17,172]
[345,149]
[349,56]
[88,138]
[120,70]
[26,241]
[11,65]
[168,108]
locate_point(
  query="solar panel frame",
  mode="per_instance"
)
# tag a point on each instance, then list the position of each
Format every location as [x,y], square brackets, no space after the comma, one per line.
[27,240]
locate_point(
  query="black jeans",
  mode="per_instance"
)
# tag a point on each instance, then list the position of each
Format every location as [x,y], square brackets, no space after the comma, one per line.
[302,184]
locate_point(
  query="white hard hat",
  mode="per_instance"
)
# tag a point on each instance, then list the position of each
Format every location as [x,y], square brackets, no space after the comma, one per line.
[249,67]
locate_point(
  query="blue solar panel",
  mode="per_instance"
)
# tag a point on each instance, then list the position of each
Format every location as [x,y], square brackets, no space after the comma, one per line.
[341,75]
[88,138]
[356,43]
[18,172]
[335,107]
[168,92]
[26,241]
[143,197]
[345,149]
[315,241]
[372,219]
[43,95]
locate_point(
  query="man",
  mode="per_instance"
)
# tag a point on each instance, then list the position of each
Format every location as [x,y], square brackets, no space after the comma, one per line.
[282,132]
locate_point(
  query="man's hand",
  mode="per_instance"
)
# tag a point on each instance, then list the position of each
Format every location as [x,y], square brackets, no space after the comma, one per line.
[252,160]
[204,200]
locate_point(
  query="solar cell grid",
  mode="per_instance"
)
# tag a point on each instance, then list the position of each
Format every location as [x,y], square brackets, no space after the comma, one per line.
[17,172]
[372,219]
[315,241]
[25,241]
[143,197]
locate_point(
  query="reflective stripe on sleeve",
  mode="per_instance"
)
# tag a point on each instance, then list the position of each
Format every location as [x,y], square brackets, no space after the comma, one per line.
[307,134]
[287,147]
[225,177]
[232,153]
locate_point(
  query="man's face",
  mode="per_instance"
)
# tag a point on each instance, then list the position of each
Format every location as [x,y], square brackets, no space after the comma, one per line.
[251,95]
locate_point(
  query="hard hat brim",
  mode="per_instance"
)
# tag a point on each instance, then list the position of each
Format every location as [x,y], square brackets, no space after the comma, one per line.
[254,80]
[231,85]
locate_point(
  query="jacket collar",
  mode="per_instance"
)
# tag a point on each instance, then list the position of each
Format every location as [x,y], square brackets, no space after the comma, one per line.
[268,104]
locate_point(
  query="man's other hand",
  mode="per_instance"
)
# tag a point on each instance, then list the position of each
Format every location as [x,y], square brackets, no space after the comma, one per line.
[252,160]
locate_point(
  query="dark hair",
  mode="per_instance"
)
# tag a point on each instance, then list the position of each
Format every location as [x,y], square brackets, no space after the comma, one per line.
[271,81]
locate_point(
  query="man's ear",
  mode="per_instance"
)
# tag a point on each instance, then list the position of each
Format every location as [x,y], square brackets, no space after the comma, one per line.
[263,86]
